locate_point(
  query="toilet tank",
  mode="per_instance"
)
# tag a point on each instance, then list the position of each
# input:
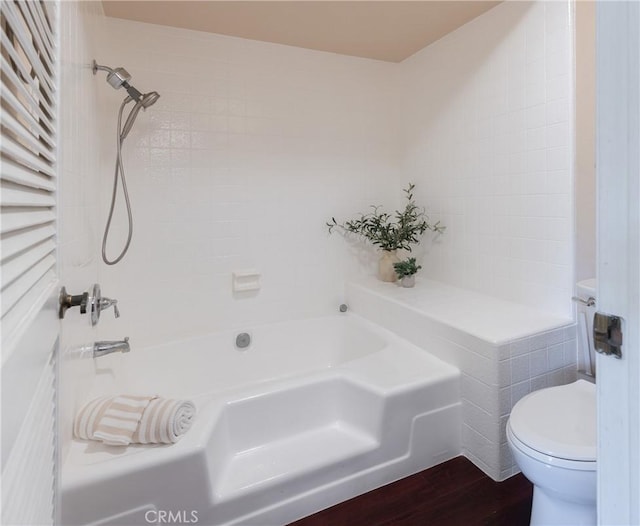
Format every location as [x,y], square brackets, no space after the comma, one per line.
[586,290]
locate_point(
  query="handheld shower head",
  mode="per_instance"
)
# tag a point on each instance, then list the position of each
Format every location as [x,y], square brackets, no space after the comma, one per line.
[146,100]
[149,99]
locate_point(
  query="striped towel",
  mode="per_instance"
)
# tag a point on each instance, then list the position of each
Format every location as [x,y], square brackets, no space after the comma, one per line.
[126,419]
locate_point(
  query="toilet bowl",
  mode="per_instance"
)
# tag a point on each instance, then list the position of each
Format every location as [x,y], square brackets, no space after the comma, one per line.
[552,435]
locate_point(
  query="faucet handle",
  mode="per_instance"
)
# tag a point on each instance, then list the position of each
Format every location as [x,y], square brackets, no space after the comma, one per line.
[105,303]
[89,302]
[99,303]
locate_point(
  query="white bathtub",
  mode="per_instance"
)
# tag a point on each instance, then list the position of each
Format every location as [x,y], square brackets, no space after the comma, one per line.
[312,413]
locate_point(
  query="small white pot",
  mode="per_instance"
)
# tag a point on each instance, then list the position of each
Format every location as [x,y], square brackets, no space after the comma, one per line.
[408,281]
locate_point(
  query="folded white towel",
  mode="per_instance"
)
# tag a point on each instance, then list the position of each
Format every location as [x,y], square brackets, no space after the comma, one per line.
[125,419]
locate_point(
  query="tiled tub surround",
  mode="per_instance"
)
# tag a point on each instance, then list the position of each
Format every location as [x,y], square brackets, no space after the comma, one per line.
[504,350]
[249,150]
[253,146]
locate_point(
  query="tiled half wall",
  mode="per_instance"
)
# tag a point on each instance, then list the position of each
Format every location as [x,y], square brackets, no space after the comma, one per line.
[496,371]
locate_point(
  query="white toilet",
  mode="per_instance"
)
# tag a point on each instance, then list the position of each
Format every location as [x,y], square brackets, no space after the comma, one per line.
[552,435]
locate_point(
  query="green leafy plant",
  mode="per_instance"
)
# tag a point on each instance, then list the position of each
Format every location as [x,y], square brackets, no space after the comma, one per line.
[391,232]
[406,267]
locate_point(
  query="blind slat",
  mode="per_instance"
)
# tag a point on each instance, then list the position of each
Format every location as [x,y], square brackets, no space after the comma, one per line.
[17,220]
[33,82]
[24,73]
[26,43]
[22,154]
[33,104]
[43,47]
[27,135]
[50,12]
[21,286]
[14,268]
[19,108]
[28,197]
[16,173]
[44,25]
[11,245]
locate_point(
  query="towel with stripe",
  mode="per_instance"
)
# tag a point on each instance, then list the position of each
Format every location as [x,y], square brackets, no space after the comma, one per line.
[127,419]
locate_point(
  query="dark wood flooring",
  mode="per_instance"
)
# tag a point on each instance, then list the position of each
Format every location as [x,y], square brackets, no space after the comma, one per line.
[455,493]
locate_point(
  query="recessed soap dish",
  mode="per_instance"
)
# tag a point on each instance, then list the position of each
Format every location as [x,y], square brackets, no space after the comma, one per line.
[246,280]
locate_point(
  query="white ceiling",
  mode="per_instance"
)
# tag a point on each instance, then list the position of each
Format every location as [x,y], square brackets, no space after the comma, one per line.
[383,30]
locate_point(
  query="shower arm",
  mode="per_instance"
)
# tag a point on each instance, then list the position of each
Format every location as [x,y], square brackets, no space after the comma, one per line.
[95,67]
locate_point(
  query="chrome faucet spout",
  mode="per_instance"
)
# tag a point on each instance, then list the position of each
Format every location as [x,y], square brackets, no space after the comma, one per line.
[110,346]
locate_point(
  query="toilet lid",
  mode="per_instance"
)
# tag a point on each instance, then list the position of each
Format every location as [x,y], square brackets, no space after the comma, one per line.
[558,421]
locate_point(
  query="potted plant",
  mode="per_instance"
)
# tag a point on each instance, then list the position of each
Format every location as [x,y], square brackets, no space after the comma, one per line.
[390,233]
[406,271]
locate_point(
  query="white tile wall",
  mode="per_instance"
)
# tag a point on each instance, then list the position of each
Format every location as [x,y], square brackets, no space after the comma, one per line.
[488,114]
[251,148]
[79,164]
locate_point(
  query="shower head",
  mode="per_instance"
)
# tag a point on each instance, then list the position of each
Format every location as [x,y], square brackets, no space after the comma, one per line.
[146,100]
[119,78]
[149,99]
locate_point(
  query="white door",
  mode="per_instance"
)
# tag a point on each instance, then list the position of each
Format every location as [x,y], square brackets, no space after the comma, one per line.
[30,325]
[618,271]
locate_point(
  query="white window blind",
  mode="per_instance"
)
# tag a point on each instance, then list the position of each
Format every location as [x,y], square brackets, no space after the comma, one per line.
[28,155]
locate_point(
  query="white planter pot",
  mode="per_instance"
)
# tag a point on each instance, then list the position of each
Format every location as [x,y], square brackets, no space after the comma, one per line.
[408,281]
